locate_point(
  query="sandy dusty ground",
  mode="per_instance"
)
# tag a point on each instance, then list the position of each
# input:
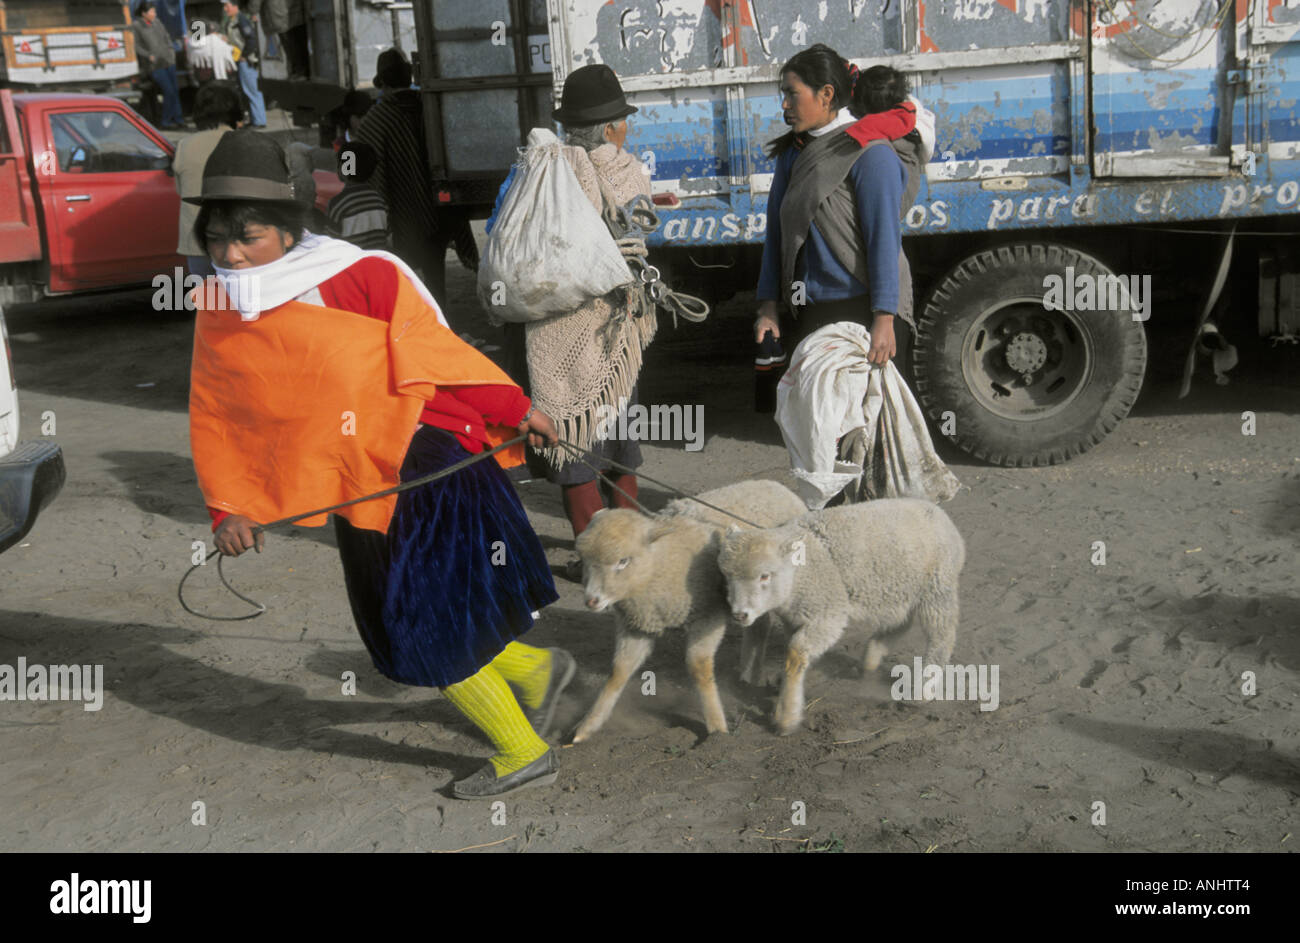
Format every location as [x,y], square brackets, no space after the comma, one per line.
[1120,684]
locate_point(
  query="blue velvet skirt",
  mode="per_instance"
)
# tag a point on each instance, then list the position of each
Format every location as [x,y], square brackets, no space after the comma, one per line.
[456,578]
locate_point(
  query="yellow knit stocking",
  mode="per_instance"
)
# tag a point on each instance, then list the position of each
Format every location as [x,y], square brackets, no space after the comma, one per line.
[527,668]
[487,701]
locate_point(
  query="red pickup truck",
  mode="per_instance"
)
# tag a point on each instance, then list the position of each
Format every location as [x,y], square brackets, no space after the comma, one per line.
[87,197]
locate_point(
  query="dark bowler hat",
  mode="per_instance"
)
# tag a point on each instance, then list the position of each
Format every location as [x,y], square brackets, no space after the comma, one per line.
[392,70]
[592,95]
[246,165]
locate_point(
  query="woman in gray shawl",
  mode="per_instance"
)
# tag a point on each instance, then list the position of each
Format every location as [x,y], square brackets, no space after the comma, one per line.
[833,249]
[589,359]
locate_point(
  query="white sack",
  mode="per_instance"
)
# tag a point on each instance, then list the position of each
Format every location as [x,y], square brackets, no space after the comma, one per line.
[549,249]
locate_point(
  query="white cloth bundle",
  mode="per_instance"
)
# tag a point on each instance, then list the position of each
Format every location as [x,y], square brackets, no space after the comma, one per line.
[831,391]
[213,52]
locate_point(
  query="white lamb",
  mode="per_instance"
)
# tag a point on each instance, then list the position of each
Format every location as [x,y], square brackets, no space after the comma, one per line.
[879,565]
[662,572]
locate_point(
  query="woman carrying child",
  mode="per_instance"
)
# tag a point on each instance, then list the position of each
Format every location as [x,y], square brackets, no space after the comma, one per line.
[833,249]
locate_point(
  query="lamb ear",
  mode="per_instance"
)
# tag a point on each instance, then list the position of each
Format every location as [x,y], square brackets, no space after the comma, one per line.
[659,527]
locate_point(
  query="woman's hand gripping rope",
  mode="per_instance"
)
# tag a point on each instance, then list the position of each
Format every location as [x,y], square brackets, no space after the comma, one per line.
[539,428]
[236,533]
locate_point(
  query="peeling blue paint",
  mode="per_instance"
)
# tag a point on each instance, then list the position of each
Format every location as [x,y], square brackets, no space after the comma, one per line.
[1159,91]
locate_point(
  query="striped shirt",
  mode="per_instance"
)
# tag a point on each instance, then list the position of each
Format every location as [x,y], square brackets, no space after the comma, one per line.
[394,127]
[358,215]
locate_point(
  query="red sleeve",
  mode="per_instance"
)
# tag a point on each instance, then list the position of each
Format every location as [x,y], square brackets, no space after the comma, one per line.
[499,404]
[217,517]
[887,125]
[368,286]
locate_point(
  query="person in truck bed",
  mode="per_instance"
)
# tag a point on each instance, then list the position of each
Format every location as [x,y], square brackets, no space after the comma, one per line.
[153,46]
[241,34]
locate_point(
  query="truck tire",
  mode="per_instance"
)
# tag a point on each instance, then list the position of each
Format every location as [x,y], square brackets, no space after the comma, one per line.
[1013,383]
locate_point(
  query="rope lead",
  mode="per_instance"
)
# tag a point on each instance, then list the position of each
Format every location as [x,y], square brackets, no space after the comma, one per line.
[407,486]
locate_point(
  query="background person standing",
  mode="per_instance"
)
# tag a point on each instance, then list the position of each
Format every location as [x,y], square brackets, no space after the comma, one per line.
[273,17]
[240,33]
[394,127]
[357,212]
[586,362]
[154,49]
[217,109]
[294,38]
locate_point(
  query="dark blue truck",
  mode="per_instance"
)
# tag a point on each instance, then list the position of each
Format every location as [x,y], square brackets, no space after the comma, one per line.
[1086,148]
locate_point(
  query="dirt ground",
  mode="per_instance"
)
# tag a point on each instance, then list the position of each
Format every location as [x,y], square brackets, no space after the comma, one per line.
[1120,684]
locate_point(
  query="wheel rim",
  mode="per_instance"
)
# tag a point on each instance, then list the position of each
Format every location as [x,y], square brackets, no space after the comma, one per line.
[1025,363]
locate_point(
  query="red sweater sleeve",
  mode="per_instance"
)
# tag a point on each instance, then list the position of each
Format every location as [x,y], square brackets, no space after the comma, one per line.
[500,405]
[887,125]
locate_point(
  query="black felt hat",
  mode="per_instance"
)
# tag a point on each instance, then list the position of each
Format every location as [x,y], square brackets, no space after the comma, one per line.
[392,70]
[246,165]
[592,95]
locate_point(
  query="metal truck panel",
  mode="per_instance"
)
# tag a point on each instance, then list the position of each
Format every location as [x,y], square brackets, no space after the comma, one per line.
[56,57]
[1018,115]
[480,128]
[374,29]
[485,74]
[1176,117]
[990,24]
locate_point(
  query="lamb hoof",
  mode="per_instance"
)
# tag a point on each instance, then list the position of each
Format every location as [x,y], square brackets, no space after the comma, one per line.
[784,729]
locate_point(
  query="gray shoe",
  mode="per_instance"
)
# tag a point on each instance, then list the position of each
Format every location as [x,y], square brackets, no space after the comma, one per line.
[563,668]
[485,784]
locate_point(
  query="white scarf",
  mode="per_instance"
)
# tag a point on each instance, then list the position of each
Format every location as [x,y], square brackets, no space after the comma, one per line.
[313,260]
[842,117]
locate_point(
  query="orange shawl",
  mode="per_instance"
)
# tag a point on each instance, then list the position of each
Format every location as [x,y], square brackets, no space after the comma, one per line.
[309,406]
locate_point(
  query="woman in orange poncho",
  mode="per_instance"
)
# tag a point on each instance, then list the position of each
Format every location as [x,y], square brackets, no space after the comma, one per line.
[324,373]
